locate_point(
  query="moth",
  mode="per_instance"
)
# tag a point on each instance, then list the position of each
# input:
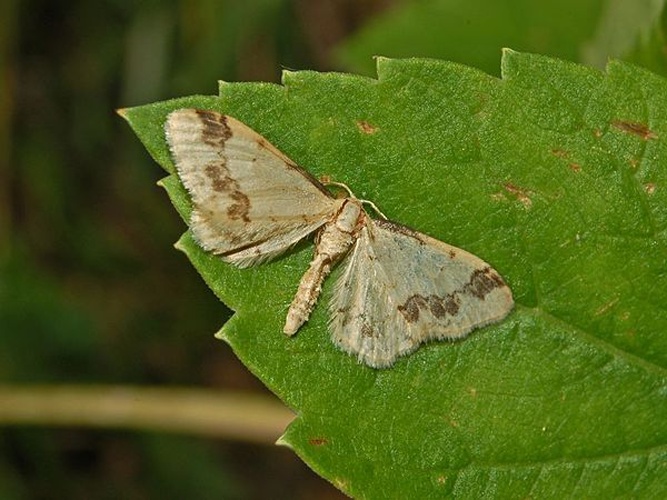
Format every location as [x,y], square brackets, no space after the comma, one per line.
[398,289]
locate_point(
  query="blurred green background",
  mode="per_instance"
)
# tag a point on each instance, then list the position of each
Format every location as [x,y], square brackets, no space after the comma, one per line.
[91,290]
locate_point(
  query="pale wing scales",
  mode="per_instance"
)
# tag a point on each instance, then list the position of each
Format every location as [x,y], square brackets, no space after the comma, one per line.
[359,321]
[401,288]
[250,201]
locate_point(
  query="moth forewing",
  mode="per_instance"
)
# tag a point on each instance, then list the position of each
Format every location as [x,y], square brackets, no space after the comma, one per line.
[250,202]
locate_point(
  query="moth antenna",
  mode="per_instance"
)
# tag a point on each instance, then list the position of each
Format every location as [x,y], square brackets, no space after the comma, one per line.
[375,208]
[328,182]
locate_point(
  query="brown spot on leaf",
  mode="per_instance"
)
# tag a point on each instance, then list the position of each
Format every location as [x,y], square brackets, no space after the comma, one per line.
[366,127]
[520,193]
[649,188]
[482,282]
[561,153]
[215,131]
[636,128]
[318,441]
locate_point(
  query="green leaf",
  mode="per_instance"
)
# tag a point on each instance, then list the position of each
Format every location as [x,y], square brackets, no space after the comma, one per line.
[555,174]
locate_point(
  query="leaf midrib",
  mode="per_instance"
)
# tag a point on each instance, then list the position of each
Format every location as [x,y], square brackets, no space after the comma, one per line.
[608,347]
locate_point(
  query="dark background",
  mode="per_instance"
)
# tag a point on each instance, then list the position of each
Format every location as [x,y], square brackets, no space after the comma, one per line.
[91,290]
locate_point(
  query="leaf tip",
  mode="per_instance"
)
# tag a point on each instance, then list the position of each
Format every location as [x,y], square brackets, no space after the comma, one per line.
[287,75]
[222,335]
[284,441]
[180,244]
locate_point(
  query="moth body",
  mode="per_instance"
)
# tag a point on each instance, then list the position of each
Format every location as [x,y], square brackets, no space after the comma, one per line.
[332,243]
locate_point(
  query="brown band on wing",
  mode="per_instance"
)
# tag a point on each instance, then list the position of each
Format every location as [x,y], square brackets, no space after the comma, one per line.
[483,282]
[215,131]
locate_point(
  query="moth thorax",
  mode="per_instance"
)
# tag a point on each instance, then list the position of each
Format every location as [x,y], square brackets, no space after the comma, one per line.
[348,217]
[338,235]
